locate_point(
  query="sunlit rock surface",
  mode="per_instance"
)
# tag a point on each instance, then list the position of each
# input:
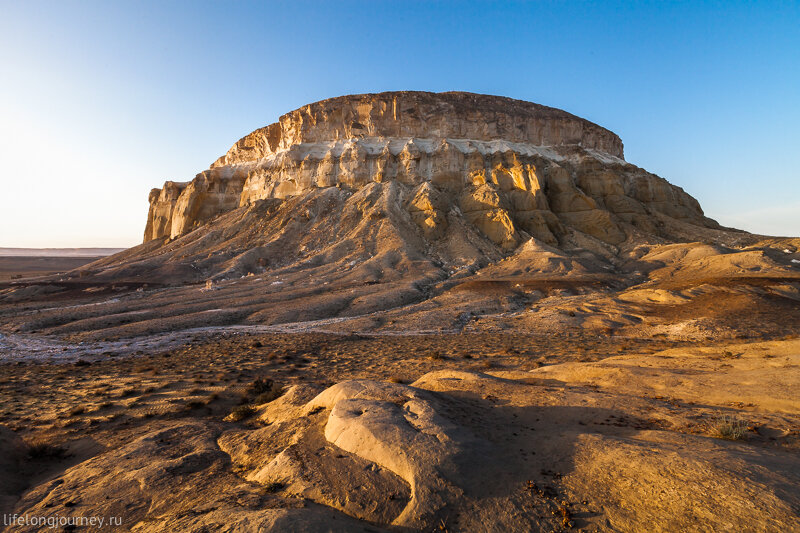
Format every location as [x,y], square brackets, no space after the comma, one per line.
[505,166]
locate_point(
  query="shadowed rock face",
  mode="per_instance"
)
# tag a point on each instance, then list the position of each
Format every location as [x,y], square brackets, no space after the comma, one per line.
[508,168]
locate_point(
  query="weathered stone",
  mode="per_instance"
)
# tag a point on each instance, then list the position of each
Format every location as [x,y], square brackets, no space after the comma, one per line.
[162,204]
[431,115]
[505,165]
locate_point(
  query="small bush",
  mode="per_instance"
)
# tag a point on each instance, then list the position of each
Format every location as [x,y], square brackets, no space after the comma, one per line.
[45,449]
[259,386]
[274,486]
[266,397]
[264,390]
[729,427]
[242,412]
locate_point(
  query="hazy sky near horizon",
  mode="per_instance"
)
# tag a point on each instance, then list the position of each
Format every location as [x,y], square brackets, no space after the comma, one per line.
[102,101]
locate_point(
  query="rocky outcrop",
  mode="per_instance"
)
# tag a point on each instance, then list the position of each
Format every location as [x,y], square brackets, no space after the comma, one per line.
[211,193]
[471,449]
[178,208]
[433,115]
[508,168]
[402,429]
[162,204]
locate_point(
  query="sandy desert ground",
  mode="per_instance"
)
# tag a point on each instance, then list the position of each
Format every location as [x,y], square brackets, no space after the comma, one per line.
[548,407]
[17,267]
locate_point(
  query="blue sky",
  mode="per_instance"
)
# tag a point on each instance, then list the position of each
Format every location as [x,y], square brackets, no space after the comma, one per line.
[101,101]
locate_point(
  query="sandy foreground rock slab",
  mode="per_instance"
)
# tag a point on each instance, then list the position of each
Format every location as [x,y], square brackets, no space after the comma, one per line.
[623,444]
[172,479]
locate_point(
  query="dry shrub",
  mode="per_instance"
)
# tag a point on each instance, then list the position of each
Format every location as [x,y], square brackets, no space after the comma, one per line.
[44,448]
[242,412]
[264,390]
[729,427]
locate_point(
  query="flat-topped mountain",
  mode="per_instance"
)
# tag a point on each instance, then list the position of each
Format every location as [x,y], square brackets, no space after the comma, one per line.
[508,168]
[410,211]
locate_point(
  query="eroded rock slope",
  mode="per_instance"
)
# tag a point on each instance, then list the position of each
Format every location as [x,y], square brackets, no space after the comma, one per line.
[508,168]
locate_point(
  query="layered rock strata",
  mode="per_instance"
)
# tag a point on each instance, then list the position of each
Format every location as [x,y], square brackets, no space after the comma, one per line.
[504,165]
[421,114]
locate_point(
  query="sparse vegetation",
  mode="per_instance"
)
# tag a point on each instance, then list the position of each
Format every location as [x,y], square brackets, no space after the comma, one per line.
[264,391]
[43,448]
[242,412]
[266,397]
[729,427]
[273,486]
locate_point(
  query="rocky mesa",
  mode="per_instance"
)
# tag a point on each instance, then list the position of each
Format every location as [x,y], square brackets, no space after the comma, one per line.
[409,211]
[509,168]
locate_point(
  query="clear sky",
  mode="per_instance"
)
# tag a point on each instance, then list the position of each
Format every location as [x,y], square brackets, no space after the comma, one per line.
[101,101]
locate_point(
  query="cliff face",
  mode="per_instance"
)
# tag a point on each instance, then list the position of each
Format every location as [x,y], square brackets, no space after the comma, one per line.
[427,115]
[162,205]
[509,168]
